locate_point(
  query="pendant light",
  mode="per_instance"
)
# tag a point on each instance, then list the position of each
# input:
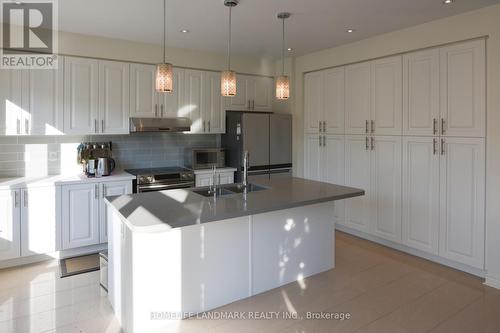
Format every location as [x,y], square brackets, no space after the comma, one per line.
[228,77]
[283,82]
[164,71]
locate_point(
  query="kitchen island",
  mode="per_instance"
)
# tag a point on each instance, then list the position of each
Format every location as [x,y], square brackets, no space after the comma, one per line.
[176,253]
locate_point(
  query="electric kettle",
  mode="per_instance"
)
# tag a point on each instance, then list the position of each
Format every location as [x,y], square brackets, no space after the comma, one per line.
[105,166]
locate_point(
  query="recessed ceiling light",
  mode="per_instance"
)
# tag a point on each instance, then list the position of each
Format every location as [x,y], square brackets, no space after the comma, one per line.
[184,31]
[290,49]
[447,2]
[350,30]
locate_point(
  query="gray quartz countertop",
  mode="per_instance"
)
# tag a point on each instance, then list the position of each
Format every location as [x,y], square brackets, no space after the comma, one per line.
[165,210]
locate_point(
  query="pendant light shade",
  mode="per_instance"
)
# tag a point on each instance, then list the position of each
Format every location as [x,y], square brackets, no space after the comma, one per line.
[282,87]
[228,83]
[164,78]
[228,77]
[164,72]
[283,82]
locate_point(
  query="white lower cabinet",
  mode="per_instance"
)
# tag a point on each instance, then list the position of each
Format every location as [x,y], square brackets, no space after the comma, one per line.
[80,214]
[462,200]
[40,222]
[421,193]
[110,189]
[10,231]
[386,187]
[206,179]
[84,214]
[357,174]
[325,162]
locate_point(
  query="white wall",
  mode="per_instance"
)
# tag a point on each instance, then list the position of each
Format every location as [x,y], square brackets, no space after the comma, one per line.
[115,49]
[483,22]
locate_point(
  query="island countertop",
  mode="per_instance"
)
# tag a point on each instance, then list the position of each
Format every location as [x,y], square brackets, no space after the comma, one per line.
[165,210]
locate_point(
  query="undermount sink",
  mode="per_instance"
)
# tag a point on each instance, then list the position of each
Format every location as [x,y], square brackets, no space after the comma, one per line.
[207,192]
[240,188]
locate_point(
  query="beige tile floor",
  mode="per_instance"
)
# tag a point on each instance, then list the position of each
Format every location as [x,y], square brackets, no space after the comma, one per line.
[383,290]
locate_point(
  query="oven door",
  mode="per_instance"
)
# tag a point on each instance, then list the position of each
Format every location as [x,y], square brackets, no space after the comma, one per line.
[163,187]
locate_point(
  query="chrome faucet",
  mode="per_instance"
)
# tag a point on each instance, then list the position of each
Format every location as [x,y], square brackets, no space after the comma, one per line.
[246,165]
[215,181]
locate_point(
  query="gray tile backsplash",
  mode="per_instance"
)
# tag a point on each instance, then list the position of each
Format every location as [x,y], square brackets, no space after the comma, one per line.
[51,155]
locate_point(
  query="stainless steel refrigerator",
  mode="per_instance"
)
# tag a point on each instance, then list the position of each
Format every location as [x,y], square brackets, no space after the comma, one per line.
[268,139]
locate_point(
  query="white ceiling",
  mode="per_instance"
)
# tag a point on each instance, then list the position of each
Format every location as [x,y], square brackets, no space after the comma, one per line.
[314,25]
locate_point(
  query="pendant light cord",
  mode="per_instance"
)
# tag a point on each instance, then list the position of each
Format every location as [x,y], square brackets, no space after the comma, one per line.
[164,29]
[229,42]
[283,49]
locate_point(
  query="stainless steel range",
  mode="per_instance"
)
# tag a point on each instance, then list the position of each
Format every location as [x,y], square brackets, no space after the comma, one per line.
[159,179]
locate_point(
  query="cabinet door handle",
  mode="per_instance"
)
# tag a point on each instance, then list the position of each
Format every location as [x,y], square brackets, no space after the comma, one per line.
[319,122]
[373,126]
[434,146]
[103,190]
[209,126]
[442,147]
[102,126]
[96,190]
[319,140]
[16,199]
[25,198]
[161,112]
[373,143]
[95,125]
[26,126]
[434,126]
[204,126]
[443,130]
[367,144]
[324,126]
[156,110]
[366,127]
[324,141]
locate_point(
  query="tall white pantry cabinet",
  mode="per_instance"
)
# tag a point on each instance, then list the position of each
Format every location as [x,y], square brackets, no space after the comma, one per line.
[412,129]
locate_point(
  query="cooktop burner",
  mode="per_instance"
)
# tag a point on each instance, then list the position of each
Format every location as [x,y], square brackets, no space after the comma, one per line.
[157,171]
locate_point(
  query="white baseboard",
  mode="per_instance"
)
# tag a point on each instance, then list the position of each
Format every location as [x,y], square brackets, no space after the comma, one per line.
[492,282]
[51,256]
[403,248]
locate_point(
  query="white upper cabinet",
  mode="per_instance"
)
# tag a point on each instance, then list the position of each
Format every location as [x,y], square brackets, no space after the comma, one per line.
[262,93]
[324,101]
[193,92]
[114,91]
[171,105]
[40,221]
[43,100]
[385,217]
[358,174]
[313,102]
[212,111]
[386,96]
[143,98]
[463,94]
[462,191]
[333,101]
[421,193]
[357,98]
[254,93]
[12,115]
[421,93]
[81,95]
[10,233]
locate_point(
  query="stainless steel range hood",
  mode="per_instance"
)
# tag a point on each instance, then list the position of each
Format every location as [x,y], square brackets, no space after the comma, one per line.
[160,125]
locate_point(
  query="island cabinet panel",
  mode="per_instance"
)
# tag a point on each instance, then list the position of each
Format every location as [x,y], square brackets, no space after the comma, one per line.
[110,189]
[291,244]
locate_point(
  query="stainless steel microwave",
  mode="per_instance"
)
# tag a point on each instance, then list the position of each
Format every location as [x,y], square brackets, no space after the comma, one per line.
[205,158]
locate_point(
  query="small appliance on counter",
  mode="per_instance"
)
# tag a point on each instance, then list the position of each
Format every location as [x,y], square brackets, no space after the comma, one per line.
[95,158]
[205,158]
